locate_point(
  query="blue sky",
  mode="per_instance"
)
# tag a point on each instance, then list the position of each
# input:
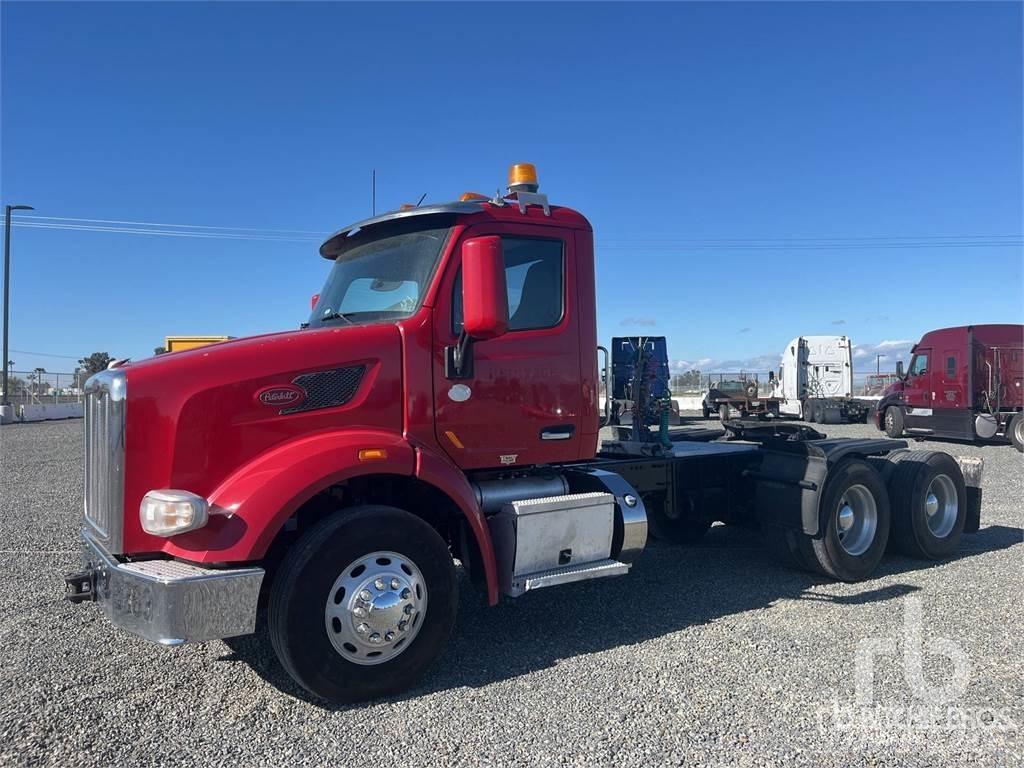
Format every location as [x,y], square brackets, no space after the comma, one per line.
[752,172]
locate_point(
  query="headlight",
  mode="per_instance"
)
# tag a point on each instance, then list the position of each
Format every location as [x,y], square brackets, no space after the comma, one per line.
[168,512]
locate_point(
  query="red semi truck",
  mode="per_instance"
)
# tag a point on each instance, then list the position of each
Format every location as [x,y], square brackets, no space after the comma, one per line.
[441,403]
[965,383]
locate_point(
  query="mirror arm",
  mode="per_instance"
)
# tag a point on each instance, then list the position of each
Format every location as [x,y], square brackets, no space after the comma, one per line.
[459,358]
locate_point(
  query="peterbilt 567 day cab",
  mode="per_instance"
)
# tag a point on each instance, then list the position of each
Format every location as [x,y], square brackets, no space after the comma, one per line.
[442,403]
[816,381]
[965,382]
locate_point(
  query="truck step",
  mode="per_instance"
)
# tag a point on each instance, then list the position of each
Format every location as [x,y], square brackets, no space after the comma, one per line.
[566,575]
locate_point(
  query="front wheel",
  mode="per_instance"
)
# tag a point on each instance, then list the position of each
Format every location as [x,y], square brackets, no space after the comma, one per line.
[893,421]
[362,604]
[723,413]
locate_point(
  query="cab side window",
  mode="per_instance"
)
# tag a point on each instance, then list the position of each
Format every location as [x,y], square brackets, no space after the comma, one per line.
[919,366]
[535,278]
[951,367]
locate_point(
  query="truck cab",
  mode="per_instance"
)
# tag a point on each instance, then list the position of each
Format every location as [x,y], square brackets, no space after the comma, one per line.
[963,383]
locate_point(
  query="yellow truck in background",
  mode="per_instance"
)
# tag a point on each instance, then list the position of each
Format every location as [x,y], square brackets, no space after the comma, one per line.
[180,343]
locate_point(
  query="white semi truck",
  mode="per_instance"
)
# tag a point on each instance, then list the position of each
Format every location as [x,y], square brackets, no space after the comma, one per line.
[815,381]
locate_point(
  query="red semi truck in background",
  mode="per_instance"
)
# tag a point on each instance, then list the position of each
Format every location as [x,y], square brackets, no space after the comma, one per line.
[965,383]
[442,403]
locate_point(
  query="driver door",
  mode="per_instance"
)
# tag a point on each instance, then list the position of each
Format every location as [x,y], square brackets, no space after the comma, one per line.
[917,393]
[522,402]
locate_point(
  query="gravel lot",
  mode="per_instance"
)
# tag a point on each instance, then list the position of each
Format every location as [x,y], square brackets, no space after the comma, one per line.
[707,655]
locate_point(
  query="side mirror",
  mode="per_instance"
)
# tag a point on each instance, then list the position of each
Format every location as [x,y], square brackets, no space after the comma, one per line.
[899,368]
[484,295]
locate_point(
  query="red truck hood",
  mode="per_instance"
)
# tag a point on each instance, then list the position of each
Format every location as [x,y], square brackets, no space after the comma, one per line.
[193,417]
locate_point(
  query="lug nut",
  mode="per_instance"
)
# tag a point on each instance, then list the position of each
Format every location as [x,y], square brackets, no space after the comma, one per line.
[375,638]
[359,611]
[365,596]
[379,584]
[362,629]
[402,625]
[395,583]
[389,636]
[406,593]
[408,610]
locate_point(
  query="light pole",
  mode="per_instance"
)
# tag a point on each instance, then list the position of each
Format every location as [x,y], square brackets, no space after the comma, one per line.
[7,290]
[878,364]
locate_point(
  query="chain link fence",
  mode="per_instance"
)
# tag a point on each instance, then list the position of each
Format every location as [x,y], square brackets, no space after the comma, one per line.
[41,387]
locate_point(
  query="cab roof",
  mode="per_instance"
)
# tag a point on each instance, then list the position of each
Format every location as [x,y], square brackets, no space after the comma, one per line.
[506,209]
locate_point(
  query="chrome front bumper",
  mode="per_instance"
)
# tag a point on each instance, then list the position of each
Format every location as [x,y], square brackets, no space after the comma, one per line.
[167,601]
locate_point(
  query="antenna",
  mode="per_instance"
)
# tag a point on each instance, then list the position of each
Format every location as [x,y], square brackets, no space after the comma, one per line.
[373,192]
[422,198]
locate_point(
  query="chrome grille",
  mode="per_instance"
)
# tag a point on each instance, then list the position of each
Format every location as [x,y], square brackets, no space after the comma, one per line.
[104,456]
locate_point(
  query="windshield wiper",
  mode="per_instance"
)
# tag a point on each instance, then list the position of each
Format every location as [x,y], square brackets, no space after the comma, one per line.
[337,316]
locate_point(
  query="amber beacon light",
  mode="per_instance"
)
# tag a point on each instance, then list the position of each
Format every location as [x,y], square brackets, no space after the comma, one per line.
[522,177]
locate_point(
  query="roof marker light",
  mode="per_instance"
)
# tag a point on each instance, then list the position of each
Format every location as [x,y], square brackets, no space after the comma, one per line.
[467,197]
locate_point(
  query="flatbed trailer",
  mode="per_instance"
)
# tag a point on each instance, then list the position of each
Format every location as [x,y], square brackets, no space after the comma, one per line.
[442,404]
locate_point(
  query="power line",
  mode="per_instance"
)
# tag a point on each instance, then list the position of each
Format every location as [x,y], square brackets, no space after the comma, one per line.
[44,354]
[19,217]
[164,233]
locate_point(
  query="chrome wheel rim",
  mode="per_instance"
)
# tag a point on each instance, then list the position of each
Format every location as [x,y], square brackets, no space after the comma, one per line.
[375,608]
[1018,430]
[941,506]
[856,520]
[890,420]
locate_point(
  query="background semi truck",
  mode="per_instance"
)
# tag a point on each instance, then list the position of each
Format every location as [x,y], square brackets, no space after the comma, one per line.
[815,381]
[442,402]
[965,382]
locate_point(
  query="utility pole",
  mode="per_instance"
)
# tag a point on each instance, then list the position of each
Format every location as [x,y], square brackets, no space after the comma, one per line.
[7,293]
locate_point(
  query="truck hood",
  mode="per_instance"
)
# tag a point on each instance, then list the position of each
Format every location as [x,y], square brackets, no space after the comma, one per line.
[193,417]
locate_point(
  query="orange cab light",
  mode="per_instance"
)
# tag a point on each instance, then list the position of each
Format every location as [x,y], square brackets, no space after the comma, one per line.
[522,173]
[468,196]
[406,207]
[372,454]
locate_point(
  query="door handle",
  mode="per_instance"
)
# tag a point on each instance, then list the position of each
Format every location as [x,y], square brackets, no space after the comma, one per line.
[558,432]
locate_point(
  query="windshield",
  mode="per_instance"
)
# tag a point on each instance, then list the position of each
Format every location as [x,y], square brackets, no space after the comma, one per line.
[380,278]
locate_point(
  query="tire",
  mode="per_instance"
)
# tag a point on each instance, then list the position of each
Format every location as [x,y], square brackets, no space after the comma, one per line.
[751,390]
[854,501]
[893,422]
[819,412]
[306,590]
[723,412]
[929,504]
[1016,430]
[706,411]
[676,526]
[808,411]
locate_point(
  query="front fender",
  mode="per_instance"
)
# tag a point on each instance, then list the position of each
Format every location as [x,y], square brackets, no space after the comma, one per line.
[437,470]
[250,506]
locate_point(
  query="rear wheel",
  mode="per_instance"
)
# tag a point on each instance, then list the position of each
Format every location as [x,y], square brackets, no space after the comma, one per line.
[819,412]
[893,421]
[706,411]
[929,501]
[854,523]
[1016,430]
[808,411]
[362,604]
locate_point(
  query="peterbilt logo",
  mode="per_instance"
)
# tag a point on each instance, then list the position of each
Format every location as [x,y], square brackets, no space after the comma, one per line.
[280,395]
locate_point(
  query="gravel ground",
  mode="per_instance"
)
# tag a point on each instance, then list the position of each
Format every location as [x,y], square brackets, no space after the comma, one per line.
[707,655]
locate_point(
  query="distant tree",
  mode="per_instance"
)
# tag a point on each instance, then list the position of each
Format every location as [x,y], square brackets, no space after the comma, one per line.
[16,384]
[688,381]
[159,350]
[96,362]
